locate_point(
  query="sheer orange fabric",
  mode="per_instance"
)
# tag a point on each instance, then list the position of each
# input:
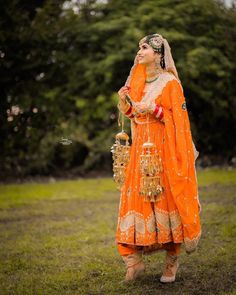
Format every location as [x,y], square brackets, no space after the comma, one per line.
[175,217]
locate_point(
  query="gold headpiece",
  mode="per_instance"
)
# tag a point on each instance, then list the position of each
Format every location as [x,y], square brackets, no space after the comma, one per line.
[156,41]
[161,45]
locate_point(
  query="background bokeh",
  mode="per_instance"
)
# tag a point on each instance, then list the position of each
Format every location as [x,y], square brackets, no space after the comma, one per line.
[62,63]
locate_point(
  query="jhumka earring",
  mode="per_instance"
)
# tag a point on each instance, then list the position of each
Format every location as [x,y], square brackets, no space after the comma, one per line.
[120,155]
[150,169]
[159,66]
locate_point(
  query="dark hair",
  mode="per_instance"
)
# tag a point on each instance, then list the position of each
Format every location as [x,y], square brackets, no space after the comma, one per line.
[162,61]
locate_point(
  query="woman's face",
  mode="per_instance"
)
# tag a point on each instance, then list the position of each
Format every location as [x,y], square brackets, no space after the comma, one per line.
[146,55]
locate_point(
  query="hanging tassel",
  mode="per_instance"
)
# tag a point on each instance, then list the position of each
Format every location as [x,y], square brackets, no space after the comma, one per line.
[150,169]
[120,155]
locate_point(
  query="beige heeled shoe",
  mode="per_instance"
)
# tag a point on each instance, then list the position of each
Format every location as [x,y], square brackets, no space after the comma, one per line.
[171,267]
[135,266]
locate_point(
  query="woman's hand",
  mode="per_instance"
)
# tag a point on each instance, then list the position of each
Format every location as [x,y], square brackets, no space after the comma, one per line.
[143,108]
[123,92]
[123,104]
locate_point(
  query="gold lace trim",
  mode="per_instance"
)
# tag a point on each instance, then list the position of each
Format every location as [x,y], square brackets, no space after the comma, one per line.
[170,221]
[191,244]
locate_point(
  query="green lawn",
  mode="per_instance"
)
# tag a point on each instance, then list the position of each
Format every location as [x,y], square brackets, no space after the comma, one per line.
[59,238]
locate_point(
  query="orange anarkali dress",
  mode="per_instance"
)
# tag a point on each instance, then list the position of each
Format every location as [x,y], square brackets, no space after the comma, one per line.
[175,216]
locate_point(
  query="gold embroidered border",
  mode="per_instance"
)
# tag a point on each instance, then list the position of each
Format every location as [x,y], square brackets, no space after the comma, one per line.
[139,225]
[162,218]
[191,244]
[170,221]
[126,222]
[175,220]
[151,223]
[132,218]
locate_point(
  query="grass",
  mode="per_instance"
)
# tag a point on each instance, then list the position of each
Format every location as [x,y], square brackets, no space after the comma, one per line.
[59,238]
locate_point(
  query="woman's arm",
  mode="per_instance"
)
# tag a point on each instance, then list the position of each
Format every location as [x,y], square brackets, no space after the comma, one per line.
[126,109]
[124,106]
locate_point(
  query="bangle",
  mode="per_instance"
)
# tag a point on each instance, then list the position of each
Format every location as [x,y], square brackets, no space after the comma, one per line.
[123,107]
[128,111]
[131,116]
[158,112]
[161,116]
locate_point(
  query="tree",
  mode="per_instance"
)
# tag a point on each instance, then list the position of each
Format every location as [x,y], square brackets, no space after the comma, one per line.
[63,63]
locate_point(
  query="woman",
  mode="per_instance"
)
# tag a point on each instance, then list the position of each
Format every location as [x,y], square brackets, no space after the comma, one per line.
[157,103]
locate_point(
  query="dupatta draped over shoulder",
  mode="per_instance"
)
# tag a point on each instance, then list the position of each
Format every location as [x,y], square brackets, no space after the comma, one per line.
[178,156]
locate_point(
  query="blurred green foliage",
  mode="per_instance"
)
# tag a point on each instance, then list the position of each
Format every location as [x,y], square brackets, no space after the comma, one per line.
[62,64]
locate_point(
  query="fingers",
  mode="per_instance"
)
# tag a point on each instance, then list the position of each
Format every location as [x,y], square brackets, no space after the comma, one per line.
[142,108]
[125,87]
[122,89]
[123,92]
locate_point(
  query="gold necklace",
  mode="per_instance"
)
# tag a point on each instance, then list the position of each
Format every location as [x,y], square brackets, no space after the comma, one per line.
[158,72]
[151,80]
